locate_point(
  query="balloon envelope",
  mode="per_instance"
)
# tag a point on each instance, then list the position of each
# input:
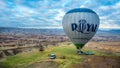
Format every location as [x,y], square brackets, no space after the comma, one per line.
[80,25]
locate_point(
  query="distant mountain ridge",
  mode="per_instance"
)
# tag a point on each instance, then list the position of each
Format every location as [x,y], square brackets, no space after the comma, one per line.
[32,31]
[51,31]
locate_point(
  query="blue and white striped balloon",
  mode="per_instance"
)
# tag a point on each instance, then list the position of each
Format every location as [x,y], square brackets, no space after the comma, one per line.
[80,25]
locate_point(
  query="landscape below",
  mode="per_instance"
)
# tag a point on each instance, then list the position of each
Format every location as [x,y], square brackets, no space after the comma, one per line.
[31,48]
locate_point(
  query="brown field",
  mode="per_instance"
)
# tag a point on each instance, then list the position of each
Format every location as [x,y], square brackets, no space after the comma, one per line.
[104,46]
[15,43]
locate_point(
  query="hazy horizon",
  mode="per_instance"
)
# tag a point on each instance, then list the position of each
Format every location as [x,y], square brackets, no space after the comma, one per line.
[106,29]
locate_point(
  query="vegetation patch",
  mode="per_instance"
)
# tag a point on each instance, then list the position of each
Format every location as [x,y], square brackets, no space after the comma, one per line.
[66,57]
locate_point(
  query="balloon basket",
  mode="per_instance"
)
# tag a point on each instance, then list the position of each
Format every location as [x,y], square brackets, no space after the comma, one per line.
[84,53]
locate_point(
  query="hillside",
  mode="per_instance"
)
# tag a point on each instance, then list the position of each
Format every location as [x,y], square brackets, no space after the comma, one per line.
[36,59]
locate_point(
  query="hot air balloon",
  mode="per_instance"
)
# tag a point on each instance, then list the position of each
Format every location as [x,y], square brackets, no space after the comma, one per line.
[80,25]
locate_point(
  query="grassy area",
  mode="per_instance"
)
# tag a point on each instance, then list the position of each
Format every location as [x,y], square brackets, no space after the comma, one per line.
[70,55]
[24,59]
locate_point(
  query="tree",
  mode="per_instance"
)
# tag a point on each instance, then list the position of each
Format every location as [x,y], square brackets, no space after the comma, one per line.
[41,48]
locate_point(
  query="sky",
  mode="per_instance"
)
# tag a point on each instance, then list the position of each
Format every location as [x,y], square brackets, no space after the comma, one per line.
[49,13]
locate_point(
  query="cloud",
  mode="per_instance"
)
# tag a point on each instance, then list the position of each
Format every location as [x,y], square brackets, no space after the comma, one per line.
[111,24]
[110,16]
[49,14]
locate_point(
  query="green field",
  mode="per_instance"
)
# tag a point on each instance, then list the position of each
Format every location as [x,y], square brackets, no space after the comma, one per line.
[23,60]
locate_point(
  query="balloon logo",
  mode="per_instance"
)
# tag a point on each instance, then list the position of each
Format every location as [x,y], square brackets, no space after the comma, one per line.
[80,25]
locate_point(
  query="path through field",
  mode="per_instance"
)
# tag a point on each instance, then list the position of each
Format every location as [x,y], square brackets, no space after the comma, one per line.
[45,64]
